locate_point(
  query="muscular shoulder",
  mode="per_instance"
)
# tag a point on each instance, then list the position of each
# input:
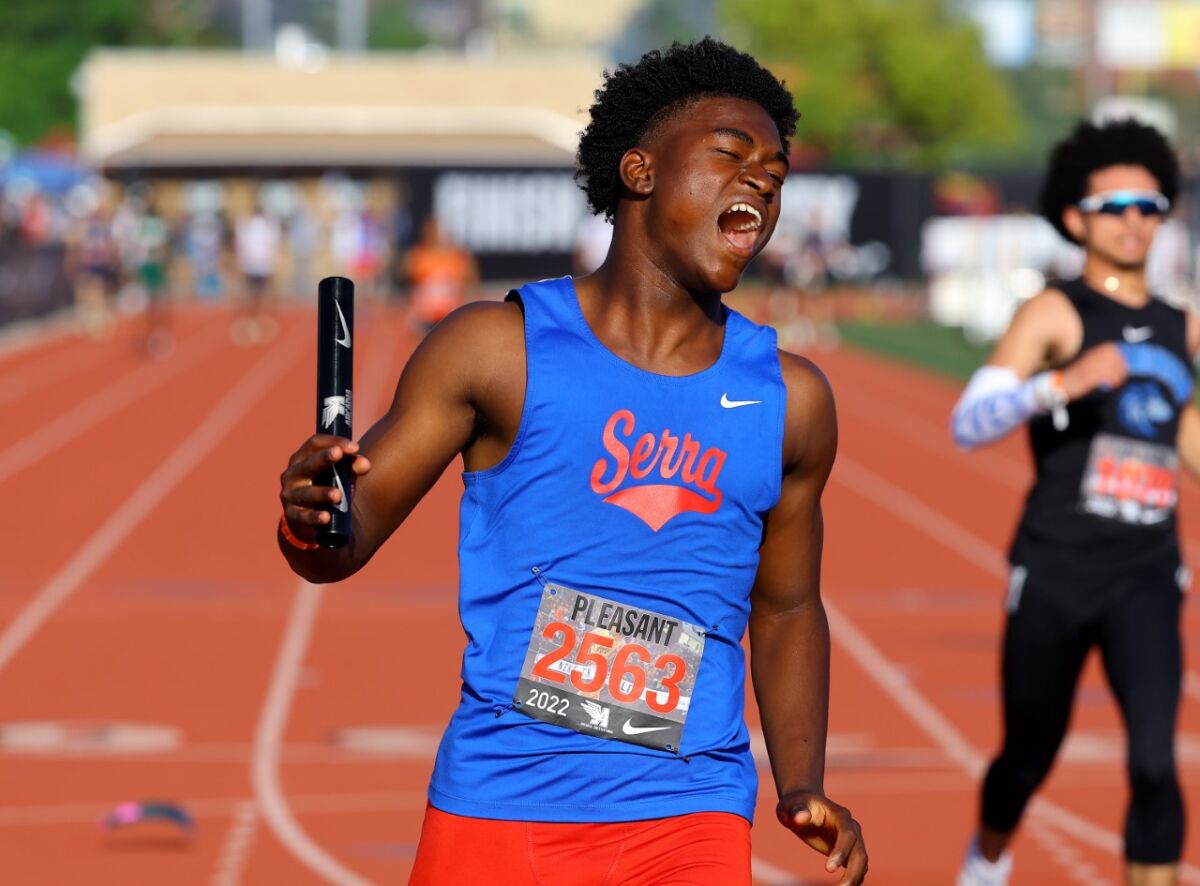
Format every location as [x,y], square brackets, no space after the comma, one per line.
[1050,302]
[477,346]
[480,322]
[1048,309]
[1045,330]
[810,427]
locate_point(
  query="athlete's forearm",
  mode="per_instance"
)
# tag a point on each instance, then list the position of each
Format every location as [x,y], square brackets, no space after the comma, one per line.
[996,402]
[789,662]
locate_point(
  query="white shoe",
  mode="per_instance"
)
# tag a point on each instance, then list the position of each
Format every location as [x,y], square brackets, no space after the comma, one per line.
[978,871]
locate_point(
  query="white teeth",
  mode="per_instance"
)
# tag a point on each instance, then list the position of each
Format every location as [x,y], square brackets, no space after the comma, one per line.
[746,207]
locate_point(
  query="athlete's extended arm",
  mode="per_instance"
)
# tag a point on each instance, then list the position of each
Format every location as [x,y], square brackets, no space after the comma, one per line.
[432,418]
[1016,383]
[789,634]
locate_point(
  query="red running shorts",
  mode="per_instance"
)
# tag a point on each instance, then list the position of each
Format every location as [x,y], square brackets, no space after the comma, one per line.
[698,849]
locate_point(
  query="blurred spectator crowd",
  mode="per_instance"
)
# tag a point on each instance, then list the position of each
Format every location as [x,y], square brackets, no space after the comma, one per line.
[127,247]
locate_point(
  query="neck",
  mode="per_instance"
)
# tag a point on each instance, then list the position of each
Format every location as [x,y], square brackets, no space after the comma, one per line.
[640,310]
[635,275]
[1126,285]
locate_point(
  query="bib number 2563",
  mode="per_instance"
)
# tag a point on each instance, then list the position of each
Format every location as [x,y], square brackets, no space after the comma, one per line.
[610,669]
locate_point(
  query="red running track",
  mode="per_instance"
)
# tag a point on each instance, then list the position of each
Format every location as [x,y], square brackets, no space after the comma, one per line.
[153,645]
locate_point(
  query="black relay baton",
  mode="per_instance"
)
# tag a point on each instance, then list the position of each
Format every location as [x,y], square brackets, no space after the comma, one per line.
[335,379]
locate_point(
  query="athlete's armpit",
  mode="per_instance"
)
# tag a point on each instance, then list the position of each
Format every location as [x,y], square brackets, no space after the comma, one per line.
[1045,332]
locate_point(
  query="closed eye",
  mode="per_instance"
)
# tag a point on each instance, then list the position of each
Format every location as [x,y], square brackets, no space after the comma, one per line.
[729,153]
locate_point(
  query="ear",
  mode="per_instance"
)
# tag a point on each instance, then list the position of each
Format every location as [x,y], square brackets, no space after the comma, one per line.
[637,171]
[1073,222]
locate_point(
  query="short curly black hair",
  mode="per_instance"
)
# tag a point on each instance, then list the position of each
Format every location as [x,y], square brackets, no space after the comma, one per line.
[1090,148]
[635,99]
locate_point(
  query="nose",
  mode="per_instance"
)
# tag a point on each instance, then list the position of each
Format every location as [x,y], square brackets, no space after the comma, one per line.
[755,176]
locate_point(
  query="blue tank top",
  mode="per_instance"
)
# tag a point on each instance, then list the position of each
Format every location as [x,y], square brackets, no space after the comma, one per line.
[606,568]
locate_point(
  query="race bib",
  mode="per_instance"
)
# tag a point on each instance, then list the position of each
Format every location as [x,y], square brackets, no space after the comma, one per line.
[609,669]
[1130,480]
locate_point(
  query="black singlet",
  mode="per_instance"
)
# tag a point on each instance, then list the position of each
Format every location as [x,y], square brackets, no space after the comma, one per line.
[1107,484]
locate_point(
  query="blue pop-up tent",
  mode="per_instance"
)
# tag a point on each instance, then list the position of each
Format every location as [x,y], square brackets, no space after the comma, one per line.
[52,172]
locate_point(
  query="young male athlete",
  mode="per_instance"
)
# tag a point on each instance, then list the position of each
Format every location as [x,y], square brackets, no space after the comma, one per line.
[1102,372]
[643,479]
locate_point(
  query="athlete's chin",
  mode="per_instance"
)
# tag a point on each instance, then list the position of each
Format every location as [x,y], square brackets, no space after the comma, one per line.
[1127,260]
[1130,265]
[1130,258]
[721,276]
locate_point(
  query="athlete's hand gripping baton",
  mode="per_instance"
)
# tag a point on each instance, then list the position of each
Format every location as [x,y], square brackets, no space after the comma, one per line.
[335,379]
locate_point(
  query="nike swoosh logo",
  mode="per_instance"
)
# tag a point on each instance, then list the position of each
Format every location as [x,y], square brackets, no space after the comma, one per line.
[1136,334]
[344,340]
[629,729]
[734,404]
[344,504]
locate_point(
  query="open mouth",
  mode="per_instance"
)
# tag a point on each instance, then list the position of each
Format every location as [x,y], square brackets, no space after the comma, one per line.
[740,224]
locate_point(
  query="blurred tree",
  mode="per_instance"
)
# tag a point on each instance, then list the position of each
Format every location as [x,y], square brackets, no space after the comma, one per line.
[1052,100]
[392,26]
[42,44]
[881,81]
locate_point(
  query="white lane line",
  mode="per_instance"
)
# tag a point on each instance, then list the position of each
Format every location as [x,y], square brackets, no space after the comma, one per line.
[231,861]
[991,464]
[101,405]
[935,439]
[217,807]
[896,684]
[37,332]
[917,513]
[147,495]
[1078,868]
[769,875]
[892,680]
[264,766]
[268,737]
[44,369]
